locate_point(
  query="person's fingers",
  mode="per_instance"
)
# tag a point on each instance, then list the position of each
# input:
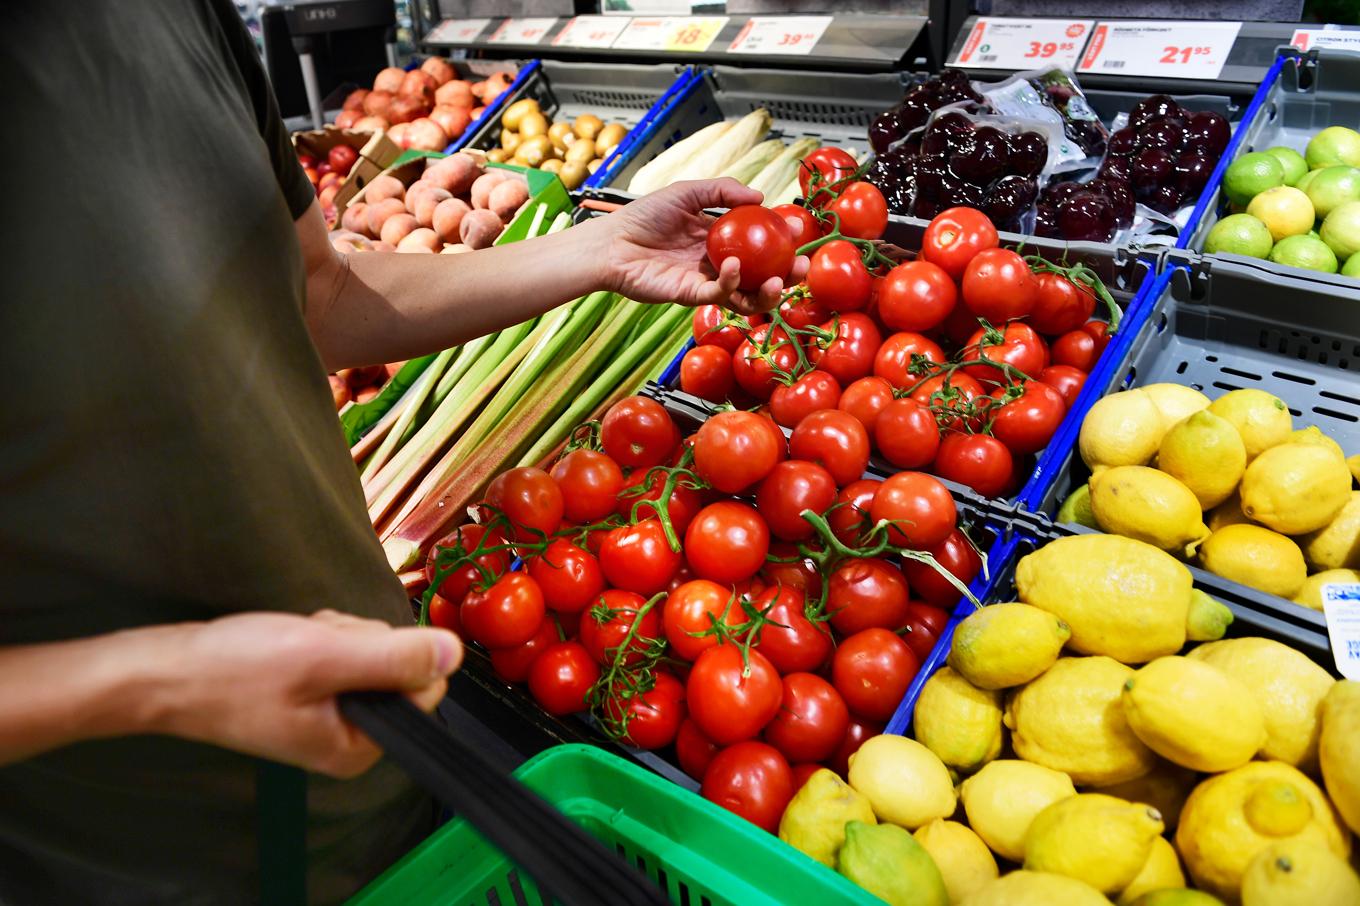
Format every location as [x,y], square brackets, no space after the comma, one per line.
[799,270]
[406,659]
[725,192]
[346,620]
[767,296]
[428,699]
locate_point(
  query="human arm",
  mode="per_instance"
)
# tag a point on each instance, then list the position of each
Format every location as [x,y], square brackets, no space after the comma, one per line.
[259,683]
[374,307]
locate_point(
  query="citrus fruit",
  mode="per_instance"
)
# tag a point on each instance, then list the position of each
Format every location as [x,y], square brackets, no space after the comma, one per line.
[1149,505]
[1352,267]
[1295,488]
[1239,234]
[1261,418]
[1339,749]
[1193,714]
[1161,870]
[1035,888]
[1176,402]
[1306,252]
[1333,187]
[814,820]
[1310,595]
[1165,788]
[1122,429]
[1206,454]
[1341,230]
[959,722]
[1337,544]
[1289,874]
[1292,161]
[905,782]
[1313,435]
[889,863]
[1093,837]
[1256,557]
[963,859]
[1333,145]
[1284,210]
[1003,645]
[1250,175]
[1002,799]
[1077,508]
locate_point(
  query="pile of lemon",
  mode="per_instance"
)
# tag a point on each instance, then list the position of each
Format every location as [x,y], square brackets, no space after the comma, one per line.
[1075,752]
[1230,483]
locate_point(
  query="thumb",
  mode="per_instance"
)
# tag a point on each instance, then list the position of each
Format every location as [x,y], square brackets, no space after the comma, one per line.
[405,659]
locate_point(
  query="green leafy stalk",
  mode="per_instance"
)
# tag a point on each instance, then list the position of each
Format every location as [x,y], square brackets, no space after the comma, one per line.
[411,407]
[360,418]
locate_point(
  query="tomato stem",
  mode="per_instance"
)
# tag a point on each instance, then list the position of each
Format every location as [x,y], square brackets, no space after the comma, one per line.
[1082,275]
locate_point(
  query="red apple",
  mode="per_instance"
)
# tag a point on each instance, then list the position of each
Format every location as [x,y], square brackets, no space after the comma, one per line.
[307,160]
[342,158]
[330,179]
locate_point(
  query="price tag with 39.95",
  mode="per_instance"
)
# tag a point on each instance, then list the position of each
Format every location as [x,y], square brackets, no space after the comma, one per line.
[1000,43]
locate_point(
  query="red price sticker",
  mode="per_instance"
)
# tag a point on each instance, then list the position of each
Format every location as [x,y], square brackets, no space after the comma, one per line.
[457,31]
[1173,50]
[522,31]
[1001,43]
[789,35]
[590,31]
[1332,36]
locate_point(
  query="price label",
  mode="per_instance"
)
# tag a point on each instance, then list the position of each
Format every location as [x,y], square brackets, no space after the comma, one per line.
[1171,50]
[521,31]
[590,31]
[792,35]
[996,43]
[1333,38]
[457,31]
[1341,607]
[642,34]
[693,34]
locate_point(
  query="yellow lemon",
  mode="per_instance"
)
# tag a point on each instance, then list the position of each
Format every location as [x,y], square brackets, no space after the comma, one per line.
[1122,429]
[1165,788]
[1261,418]
[1002,799]
[814,820]
[1175,402]
[1149,505]
[1340,749]
[1256,557]
[1229,512]
[1193,714]
[1290,874]
[1295,488]
[1009,644]
[1077,508]
[1313,435]
[1093,837]
[1337,544]
[1035,888]
[1177,896]
[1161,870]
[963,859]
[905,782]
[1205,453]
[888,862]
[957,721]
[1353,463]
[1310,595]
[1284,210]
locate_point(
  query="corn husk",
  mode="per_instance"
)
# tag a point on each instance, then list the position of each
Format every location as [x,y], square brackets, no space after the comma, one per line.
[753,162]
[718,156]
[657,172]
[776,175]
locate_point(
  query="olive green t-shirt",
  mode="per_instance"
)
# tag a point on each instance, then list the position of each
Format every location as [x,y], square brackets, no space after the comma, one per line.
[168,445]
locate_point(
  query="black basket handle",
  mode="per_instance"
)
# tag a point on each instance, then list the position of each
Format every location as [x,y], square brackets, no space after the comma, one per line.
[557,853]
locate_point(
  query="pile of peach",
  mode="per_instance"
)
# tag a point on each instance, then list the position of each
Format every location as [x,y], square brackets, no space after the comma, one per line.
[425,108]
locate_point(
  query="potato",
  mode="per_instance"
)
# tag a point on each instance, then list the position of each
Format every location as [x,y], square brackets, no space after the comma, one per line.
[507,198]
[582,151]
[448,214]
[456,248]
[379,212]
[455,173]
[355,217]
[481,189]
[533,151]
[560,135]
[552,165]
[517,111]
[421,240]
[498,155]
[479,229]
[594,165]
[609,139]
[573,173]
[429,200]
[509,140]
[398,227]
[384,186]
[533,124]
[587,125]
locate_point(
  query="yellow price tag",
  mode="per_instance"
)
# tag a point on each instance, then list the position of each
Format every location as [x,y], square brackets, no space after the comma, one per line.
[693,33]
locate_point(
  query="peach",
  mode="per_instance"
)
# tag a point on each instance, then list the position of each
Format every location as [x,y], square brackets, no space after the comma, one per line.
[398,227]
[413,192]
[355,217]
[382,187]
[480,192]
[456,248]
[479,229]
[457,93]
[426,202]
[420,240]
[447,216]
[389,80]
[330,179]
[506,199]
[456,173]
[438,69]
[379,212]
[326,197]
[376,103]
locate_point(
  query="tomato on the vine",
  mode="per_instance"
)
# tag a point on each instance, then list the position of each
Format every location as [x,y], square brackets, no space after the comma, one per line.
[916,296]
[727,542]
[865,593]
[919,507]
[850,355]
[638,558]
[652,718]
[955,236]
[865,399]
[638,433]
[801,311]
[683,504]
[794,486]
[693,609]
[790,640]
[957,555]
[469,537]
[811,721]
[750,779]
[836,440]
[590,482]
[790,404]
[444,614]
[736,449]
[560,678]
[857,732]
[693,749]
[951,398]
[732,697]
[1075,349]
[714,325]
[608,622]
[1066,380]
[1098,331]
[507,613]
[512,664]
[837,277]
[924,623]
[862,209]
[530,499]
[894,358]
[906,434]
[706,372]
[850,519]
[1060,304]
[786,567]
[758,238]
[756,370]
[569,576]
[803,226]
[999,286]
[1017,345]
[833,165]
[872,670]
[1025,424]
[979,461]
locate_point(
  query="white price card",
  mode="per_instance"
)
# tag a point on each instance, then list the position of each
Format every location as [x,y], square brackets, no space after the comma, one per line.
[590,31]
[1330,38]
[792,35]
[643,34]
[457,31]
[1341,606]
[522,31]
[1169,50]
[996,43]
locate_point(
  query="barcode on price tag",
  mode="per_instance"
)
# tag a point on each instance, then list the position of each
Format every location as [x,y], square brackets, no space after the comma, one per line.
[1335,38]
[522,31]
[1171,50]
[792,35]
[998,43]
[590,31]
[457,31]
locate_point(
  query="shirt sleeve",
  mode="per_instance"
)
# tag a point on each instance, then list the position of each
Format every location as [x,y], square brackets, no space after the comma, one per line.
[297,189]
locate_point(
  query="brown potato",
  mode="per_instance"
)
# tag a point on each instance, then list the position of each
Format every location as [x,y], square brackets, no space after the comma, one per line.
[430,200]
[517,111]
[552,165]
[507,198]
[379,212]
[609,138]
[448,214]
[533,151]
[481,189]
[479,229]
[355,217]
[420,240]
[498,155]
[384,186]
[587,125]
[594,164]
[561,135]
[397,227]
[509,140]
[533,124]
[582,151]
[573,173]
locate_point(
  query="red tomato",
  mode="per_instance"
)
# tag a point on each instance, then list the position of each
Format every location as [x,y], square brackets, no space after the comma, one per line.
[653,717]
[979,461]
[706,372]
[862,209]
[469,537]
[955,236]
[865,399]
[1098,331]
[561,677]
[711,326]
[949,393]
[734,450]
[960,324]
[811,721]
[1066,380]
[803,311]
[837,277]
[693,609]
[999,286]
[790,404]
[850,356]
[857,732]
[924,623]
[906,434]
[792,487]
[727,542]
[638,433]
[750,779]
[866,593]
[758,238]
[872,670]
[850,519]
[530,499]
[1018,345]
[512,664]
[605,627]
[834,439]
[803,227]
[916,296]
[508,613]
[803,772]
[796,643]
[590,483]
[1026,424]
[569,576]
[756,370]
[684,502]
[957,555]
[638,558]
[693,749]
[785,567]
[920,508]
[832,166]
[1075,349]
[731,700]
[1060,304]
[895,356]
[444,614]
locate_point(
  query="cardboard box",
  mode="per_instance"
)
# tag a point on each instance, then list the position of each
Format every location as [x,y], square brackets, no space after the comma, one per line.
[377,152]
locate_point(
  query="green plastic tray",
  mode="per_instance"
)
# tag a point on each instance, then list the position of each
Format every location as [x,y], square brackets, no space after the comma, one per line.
[698,853]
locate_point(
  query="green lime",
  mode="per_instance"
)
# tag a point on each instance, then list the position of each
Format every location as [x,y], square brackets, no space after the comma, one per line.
[1332,187]
[1284,210]
[1306,179]
[1341,230]
[1333,145]
[1295,167]
[1239,234]
[1305,252]
[1352,267]
[1250,175]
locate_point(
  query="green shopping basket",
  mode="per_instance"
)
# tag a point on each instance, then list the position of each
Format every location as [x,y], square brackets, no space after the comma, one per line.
[695,851]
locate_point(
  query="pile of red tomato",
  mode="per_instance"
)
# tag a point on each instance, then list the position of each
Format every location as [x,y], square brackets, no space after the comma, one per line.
[962,362]
[746,603]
